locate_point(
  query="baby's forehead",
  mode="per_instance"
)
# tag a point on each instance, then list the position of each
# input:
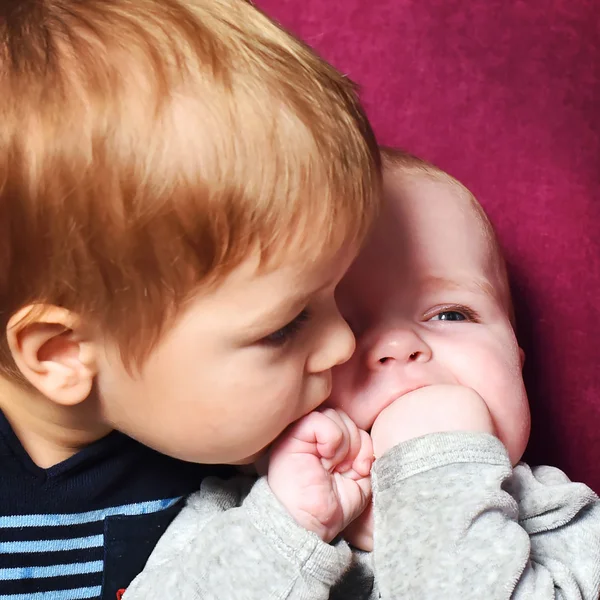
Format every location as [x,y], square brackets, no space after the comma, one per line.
[429,213]
[402,183]
[427,190]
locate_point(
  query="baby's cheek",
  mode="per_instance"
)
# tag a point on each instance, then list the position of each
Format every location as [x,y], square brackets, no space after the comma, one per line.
[487,363]
[507,402]
[370,402]
[359,406]
[344,394]
[518,424]
[349,403]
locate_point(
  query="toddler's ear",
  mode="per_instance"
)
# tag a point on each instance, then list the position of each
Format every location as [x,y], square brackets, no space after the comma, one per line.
[522,356]
[50,349]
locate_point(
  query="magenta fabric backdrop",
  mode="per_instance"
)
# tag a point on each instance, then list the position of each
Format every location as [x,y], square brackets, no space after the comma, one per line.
[505,95]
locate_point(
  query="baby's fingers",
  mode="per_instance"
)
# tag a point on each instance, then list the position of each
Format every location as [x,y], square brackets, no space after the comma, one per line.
[314,434]
[354,444]
[344,443]
[362,463]
[364,460]
[366,491]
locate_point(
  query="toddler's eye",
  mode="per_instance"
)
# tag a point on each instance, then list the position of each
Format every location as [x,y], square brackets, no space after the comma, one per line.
[287,332]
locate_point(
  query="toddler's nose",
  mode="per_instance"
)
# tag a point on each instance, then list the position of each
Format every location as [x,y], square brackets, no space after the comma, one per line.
[398,346]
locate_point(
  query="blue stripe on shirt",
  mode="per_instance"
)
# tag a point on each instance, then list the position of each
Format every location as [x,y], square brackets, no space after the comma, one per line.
[53,571]
[29,547]
[75,594]
[61,520]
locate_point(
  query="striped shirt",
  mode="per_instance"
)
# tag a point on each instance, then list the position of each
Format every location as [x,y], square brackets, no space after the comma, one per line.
[85,527]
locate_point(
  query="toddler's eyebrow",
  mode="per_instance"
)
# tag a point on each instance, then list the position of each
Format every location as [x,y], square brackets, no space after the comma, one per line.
[276,312]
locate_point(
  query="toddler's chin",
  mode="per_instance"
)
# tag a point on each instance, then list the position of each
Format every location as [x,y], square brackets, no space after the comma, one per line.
[251,461]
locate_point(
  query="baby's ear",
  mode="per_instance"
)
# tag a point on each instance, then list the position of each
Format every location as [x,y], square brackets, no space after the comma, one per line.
[522,356]
[52,352]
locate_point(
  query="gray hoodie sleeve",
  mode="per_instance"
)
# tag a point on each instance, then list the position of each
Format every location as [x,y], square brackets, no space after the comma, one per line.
[453,520]
[234,541]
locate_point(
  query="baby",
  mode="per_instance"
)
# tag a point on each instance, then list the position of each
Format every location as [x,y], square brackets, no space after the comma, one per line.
[436,380]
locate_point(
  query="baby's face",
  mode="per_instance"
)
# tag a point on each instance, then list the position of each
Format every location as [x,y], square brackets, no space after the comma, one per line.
[426,302]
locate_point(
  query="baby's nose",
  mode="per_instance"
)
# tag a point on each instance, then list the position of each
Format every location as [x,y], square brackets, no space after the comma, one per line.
[398,346]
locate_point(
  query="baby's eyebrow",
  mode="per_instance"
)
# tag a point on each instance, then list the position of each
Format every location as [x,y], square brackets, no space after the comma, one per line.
[475,285]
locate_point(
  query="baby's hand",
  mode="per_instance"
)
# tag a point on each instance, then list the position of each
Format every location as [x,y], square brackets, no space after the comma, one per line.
[320,471]
[360,532]
[431,409]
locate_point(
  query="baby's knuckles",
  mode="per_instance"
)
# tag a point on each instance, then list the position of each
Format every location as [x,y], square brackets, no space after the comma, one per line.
[431,409]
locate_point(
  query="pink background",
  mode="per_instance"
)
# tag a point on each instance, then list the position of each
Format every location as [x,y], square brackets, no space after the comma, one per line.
[505,95]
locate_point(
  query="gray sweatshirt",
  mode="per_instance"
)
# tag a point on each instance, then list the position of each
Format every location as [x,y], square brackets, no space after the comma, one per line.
[453,520]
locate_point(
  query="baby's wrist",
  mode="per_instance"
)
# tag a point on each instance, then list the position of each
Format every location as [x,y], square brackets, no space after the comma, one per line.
[435,409]
[301,515]
[312,524]
[304,518]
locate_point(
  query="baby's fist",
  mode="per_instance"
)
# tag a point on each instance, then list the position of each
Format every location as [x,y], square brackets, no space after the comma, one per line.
[319,469]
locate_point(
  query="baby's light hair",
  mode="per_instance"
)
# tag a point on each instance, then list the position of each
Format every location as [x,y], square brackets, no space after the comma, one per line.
[147,147]
[401,163]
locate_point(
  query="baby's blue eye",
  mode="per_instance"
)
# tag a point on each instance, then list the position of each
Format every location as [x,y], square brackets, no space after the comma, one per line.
[449,315]
[454,313]
[287,332]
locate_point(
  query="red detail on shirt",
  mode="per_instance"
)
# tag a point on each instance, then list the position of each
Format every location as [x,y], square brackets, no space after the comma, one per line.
[120,593]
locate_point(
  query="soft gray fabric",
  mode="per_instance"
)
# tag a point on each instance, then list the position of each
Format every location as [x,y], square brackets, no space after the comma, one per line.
[452,520]
[233,540]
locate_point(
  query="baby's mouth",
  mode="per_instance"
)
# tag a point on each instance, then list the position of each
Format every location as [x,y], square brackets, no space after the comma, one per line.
[397,395]
[404,391]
